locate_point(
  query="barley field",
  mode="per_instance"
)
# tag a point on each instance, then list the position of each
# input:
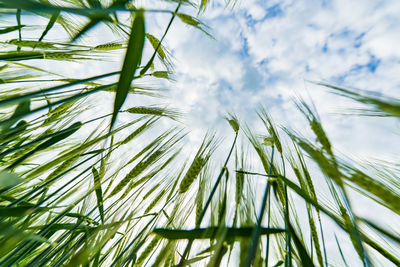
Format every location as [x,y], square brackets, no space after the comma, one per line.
[96,168]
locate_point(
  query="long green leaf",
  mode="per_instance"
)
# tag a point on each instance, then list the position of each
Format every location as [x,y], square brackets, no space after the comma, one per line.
[10,29]
[99,193]
[50,25]
[304,257]
[340,251]
[92,23]
[18,211]
[211,232]
[9,179]
[132,59]
[22,108]
[55,139]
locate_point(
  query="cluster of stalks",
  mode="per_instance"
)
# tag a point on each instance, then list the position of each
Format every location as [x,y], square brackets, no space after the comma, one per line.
[116,189]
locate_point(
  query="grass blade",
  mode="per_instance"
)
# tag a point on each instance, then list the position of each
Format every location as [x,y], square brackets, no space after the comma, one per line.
[340,251]
[256,233]
[211,232]
[11,29]
[50,25]
[132,59]
[304,257]
[99,193]
[55,139]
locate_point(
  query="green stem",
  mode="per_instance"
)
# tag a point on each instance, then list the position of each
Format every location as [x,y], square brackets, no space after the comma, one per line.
[208,202]
[288,256]
[268,225]
[19,98]
[133,242]
[19,24]
[257,230]
[323,240]
[340,251]
[355,227]
[148,65]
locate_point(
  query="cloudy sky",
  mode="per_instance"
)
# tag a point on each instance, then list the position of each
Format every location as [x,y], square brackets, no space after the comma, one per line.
[266,52]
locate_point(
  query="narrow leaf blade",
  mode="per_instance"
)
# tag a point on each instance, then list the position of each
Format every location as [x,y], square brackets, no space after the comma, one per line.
[132,58]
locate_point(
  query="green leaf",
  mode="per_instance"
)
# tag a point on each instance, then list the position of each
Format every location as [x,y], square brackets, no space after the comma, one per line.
[67,226]
[382,231]
[304,257]
[279,263]
[366,239]
[203,5]
[70,82]
[50,25]
[194,260]
[210,232]
[132,59]
[189,20]
[9,179]
[38,238]
[3,67]
[10,29]
[18,211]
[22,55]
[94,3]
[92,23]
[68,99]
[55,139]
[269,141]
[99,193]
[22,108]
[81,217]
[340,251]
[381,105]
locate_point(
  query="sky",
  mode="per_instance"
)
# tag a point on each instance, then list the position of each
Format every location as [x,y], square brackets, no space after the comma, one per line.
[268,53]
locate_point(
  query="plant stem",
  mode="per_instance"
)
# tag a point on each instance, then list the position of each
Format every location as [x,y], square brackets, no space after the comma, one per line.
[208,202]
[323,240]
[288,256]
[257,229]
[268,225]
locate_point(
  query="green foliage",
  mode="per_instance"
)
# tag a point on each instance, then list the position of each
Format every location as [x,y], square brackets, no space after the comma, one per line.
[79,189]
